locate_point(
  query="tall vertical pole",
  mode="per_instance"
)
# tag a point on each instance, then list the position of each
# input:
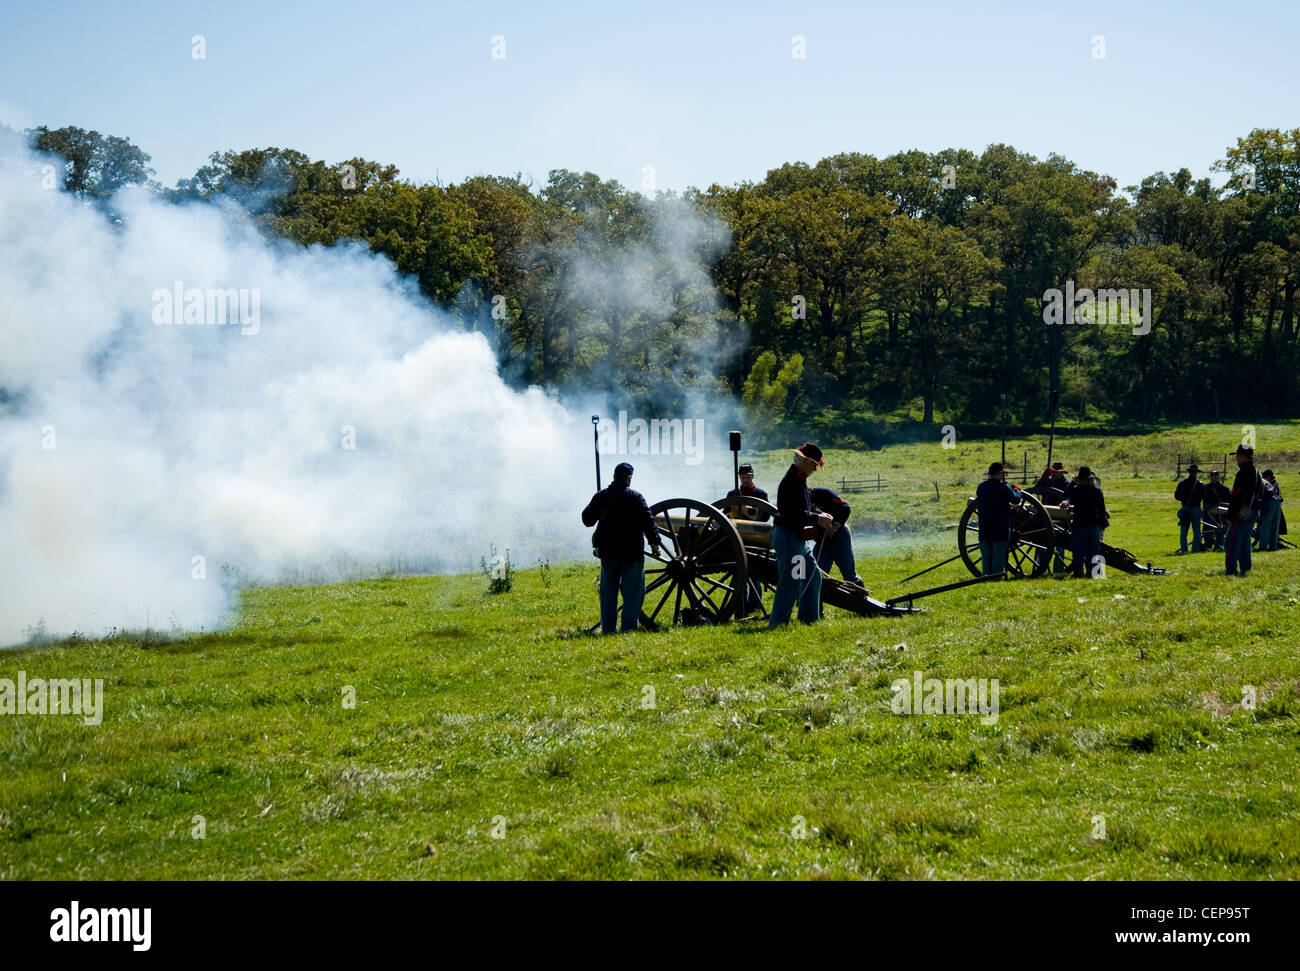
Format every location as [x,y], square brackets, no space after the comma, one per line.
[1051,437]
[1004,431]
[595,444]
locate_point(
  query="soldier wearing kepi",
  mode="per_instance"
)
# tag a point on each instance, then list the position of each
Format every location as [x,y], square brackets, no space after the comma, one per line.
[749,490]
[798,576]
[623,526]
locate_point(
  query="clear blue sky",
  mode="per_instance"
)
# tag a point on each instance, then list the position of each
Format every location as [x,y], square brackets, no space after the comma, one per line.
[704,92]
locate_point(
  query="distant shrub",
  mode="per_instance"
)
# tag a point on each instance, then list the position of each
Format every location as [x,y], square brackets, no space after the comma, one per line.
[499,570]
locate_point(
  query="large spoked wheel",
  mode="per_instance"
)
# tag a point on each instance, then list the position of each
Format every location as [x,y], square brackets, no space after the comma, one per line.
[700,575]
[1029,550]
[1214,529]
[759,556]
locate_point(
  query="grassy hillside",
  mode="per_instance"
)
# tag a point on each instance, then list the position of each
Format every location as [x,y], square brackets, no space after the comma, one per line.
[491,739]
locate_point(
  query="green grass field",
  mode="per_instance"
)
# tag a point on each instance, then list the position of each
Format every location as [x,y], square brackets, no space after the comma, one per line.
[491,739]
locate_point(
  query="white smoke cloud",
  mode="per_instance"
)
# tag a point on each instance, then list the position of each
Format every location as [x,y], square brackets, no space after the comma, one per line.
[178,441]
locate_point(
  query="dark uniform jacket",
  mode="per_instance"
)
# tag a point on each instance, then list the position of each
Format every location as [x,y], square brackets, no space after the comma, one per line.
[754,492]
[993,499]
[794,506]
[1216,494]
[1189,492]
[1245,489]
[1047,483]
[830,501]
[622,520]
[1088,502]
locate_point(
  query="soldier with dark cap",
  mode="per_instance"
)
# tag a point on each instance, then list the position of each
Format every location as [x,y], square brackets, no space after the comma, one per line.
[1243,511]
[749,490]
[993,500]
[799,579]
[623,525]
[1086,522]
[1190,493]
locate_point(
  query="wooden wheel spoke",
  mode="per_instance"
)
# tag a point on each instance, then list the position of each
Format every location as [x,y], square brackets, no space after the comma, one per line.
[703,598]
[691,599]
[660,606]
[727,566]
[670,532]
[718,537]
[708,579]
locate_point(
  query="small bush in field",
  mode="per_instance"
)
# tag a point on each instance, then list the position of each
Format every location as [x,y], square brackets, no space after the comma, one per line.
[499,570]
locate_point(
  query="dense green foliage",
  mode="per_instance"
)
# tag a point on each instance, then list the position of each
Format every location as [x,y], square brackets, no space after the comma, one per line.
[910,286]
[491,739]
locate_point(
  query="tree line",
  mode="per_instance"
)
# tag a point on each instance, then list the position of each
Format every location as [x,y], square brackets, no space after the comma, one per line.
[854,291]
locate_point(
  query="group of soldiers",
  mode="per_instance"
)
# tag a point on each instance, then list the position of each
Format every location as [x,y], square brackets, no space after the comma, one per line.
[1089,517]
[1231,520]
[811,534]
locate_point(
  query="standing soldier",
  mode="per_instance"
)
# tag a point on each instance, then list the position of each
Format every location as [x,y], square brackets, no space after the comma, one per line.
[1271,513]
[1191,494]
[799,579]
[1089,507]
[622,520]
[1243,510]
[994,499]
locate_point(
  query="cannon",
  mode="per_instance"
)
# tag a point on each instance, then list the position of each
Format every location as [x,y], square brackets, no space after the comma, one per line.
[717,564]
[1038,534]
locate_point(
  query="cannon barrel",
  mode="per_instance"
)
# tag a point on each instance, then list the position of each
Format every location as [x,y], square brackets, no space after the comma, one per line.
[752,533]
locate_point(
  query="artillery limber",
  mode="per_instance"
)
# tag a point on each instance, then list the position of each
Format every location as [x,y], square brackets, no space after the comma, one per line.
[717,564]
